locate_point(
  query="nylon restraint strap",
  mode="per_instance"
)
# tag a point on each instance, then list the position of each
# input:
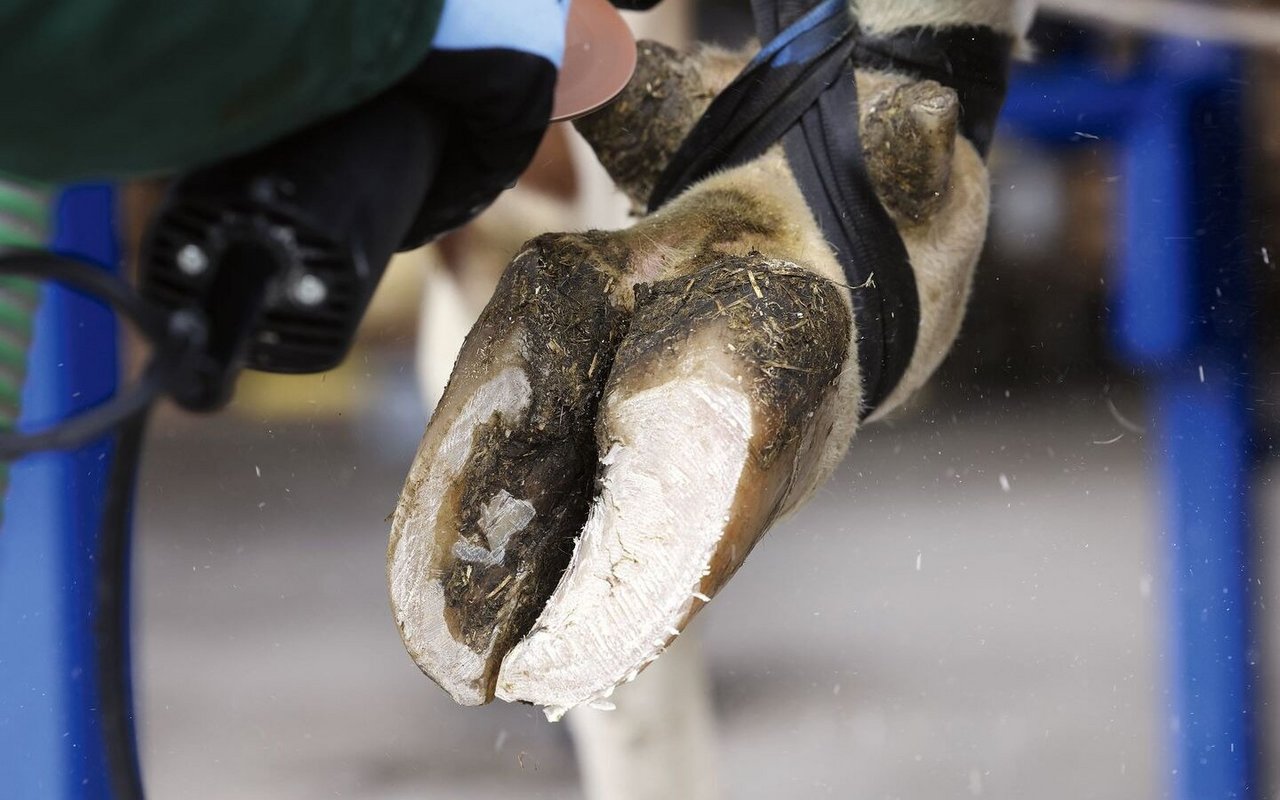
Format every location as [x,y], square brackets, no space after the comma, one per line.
[800,89]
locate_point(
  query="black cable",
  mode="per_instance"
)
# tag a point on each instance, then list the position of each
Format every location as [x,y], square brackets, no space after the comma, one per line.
[111,612]
[90,280]
[173,337]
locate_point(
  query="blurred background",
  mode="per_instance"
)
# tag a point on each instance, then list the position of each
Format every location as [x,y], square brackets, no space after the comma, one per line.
[977,605]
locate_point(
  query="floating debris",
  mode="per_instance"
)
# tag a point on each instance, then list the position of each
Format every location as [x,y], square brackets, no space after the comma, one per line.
[1131,427]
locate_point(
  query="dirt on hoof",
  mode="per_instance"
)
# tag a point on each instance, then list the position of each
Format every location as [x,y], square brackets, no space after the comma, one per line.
[909,134]
[636,134]
[785,335]
[722,387]
[496,530]
[787,328]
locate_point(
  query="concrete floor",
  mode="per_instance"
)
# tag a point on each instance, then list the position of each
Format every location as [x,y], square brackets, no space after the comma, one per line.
[970,608]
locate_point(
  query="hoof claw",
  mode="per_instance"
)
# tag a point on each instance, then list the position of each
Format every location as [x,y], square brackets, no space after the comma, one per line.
[545,551]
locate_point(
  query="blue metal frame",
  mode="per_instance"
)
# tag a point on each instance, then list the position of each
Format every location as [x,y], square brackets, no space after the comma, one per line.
[50,740]
[1184,305]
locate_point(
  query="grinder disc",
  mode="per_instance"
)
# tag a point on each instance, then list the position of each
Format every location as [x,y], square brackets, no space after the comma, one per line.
[599,58]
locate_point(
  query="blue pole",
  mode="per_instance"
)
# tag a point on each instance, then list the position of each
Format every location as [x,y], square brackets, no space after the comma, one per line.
[50,740]
[1185,305]
[1203,438]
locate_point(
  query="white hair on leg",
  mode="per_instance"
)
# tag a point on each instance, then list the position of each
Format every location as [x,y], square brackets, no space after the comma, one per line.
[1024,11]
[659,741]
[885,16]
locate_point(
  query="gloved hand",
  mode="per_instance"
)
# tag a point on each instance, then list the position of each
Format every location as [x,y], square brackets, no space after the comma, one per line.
[112,90]
[490,77]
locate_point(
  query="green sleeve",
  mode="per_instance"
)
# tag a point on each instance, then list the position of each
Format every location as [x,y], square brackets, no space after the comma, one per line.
[111,88]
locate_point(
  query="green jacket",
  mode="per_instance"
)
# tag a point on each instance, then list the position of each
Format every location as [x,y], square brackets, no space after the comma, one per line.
[105,88]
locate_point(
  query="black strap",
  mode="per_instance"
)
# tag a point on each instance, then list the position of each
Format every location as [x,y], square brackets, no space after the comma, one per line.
[765,101]
[800,89]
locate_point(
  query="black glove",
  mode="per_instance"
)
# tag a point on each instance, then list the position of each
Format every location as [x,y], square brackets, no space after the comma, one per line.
[496,105]
[491,79]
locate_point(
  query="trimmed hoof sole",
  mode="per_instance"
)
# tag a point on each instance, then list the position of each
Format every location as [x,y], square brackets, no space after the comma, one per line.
[715,408]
